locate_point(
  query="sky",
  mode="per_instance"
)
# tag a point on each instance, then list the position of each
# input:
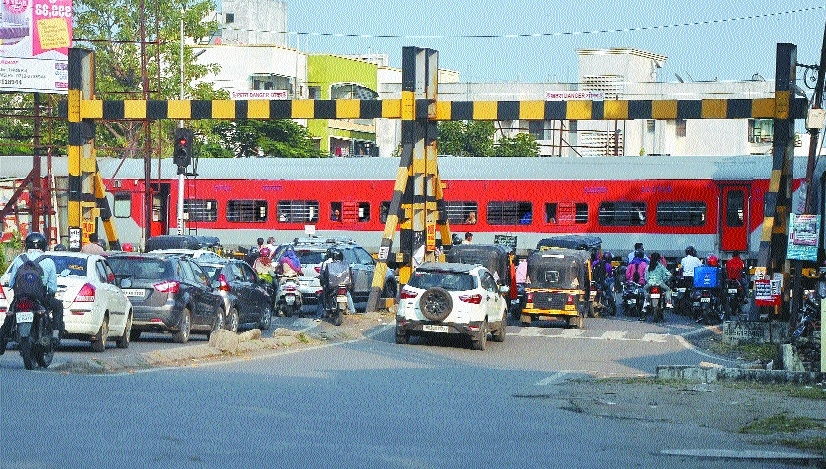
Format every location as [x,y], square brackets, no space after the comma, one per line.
[703,40]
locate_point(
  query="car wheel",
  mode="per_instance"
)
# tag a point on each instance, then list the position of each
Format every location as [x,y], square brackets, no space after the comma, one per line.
[181,336]
[232,323]
[266,319]
[99,345]
[499,334]
[481,342]
[436,304]
[218,324]
[123,340]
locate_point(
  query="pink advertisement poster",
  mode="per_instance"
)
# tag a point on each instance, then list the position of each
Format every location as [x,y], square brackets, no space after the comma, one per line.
[35,36]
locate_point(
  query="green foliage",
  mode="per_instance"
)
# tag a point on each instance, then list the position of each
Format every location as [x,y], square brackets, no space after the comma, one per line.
[17,125]
[113,29]
[466,138]
[475,138]
[780,423]
[281,138]
[522,144]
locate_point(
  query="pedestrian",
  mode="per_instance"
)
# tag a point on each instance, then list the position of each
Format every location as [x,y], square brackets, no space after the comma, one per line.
[468,237]
[92,247]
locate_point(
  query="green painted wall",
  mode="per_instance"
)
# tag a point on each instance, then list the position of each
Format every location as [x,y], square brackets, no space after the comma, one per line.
[324,70]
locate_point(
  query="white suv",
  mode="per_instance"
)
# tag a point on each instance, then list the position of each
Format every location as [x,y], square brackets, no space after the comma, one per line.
[447,298]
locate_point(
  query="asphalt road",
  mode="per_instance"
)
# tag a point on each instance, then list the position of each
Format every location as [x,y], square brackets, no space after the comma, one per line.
[361,403]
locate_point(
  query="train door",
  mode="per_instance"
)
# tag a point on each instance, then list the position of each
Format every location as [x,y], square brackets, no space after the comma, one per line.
[160,210]
[734,232]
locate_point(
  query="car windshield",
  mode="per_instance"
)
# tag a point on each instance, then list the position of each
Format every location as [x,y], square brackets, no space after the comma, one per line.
[75,265]
[448,280]
[212,270]
[136,267]
[310,257]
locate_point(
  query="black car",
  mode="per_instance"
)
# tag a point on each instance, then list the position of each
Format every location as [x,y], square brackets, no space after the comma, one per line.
[169,293]
[248,300]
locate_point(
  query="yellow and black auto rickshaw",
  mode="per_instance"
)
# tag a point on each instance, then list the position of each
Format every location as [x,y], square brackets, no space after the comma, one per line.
[558,287]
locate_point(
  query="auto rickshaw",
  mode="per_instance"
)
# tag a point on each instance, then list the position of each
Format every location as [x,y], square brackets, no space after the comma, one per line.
[493,257]
[558,288]
[583,242]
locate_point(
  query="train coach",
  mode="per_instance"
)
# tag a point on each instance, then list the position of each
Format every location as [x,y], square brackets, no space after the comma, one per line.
[665,202]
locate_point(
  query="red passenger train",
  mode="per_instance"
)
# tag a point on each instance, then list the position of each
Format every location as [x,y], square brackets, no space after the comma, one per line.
[667,203]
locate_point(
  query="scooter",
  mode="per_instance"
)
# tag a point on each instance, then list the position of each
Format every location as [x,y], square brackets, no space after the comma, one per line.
[336,304]
[706,306]
[289,300]
[32,330]
[656,304]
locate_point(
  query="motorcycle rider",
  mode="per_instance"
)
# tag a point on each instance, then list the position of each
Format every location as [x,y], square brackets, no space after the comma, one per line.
[637,267]
[689,262]
[709,276]
[604,272]
[35,245]
[332,256]
[263,265]
[735,268]
[657,274]
[289,265]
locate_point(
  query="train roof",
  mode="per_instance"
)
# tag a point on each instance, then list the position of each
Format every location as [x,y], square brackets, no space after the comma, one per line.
[745,167]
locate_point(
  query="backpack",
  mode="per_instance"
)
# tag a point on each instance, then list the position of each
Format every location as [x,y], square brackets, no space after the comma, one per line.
[28,280]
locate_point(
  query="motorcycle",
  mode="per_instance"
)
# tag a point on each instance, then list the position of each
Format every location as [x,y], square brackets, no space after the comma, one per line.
[289,300]
[682,295]
[706,307]
[735,294]
[32,330]
[655,304]
[632,299]
[336,304]
[604,300]
[807,325]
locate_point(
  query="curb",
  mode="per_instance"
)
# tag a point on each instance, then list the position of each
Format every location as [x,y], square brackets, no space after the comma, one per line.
[709,374]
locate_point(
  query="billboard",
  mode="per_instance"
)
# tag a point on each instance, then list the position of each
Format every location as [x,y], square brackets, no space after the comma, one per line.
[35,36]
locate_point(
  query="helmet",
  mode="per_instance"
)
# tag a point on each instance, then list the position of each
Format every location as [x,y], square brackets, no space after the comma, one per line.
[607,256]
[713,261]
[264,252]
[639,253]
[35,240]
[338,255]
[690,251]
[127,247]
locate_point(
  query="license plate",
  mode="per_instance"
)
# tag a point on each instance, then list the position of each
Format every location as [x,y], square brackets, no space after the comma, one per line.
[681,290]
[434,328]
[134,292]
[25,316]
[290,299]
[705,300]
[655,295]
[732,290]
[341,298]
[632,301]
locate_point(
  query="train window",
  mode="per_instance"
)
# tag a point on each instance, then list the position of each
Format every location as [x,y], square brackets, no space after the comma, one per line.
[550,213]
[461,213]
[201,209]
[735,204]
[247,210]
[622,213]
[581,216]
[384,209]
[335,211]
[364,211]
[122,208]
[681,213]
[297,211]
[509,213]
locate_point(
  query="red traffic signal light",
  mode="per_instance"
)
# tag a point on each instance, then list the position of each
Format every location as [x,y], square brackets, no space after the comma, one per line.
[182,153]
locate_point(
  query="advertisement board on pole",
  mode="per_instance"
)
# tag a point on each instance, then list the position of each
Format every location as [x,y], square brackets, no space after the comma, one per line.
[804,231]
[35,36]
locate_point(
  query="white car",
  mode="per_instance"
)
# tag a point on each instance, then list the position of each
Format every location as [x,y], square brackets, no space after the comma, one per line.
[200,254]
[448,298]
[94,308]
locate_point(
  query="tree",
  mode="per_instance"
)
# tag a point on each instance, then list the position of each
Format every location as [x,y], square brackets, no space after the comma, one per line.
[113,28]
[466,138]
[282,138]
[522,144]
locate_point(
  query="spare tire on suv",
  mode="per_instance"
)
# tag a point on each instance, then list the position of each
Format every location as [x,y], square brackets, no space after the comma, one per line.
[436,304]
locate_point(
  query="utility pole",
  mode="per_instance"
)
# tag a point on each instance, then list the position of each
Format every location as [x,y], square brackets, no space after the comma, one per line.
[814,122]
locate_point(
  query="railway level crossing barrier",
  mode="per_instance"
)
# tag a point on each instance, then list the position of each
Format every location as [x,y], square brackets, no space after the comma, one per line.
[416,208]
